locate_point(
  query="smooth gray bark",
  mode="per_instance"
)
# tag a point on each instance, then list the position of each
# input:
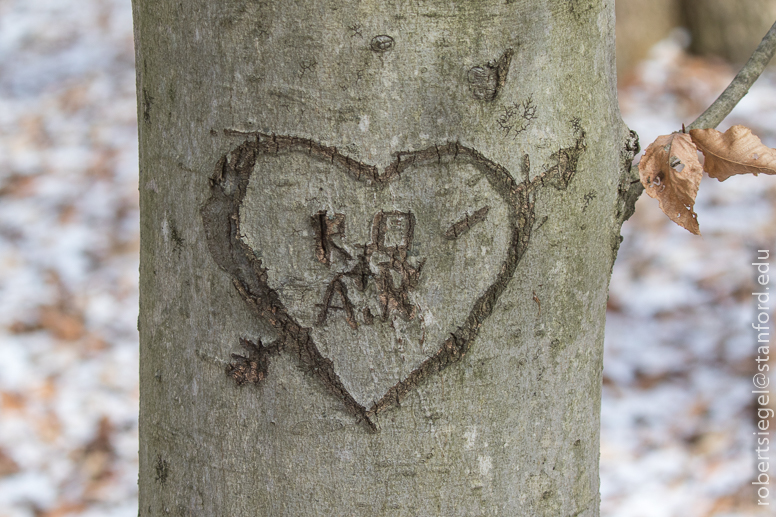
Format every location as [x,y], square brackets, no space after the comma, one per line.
[407,213]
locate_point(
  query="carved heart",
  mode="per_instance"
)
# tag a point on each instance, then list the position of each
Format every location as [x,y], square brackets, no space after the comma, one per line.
[373,280]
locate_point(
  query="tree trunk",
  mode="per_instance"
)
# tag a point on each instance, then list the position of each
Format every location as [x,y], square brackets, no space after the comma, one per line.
[731,30]
[639,26]
[376,245]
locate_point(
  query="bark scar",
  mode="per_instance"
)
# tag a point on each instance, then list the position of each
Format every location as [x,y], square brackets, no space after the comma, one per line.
[221,218]
[253,367]
[464,225]
[486,81]
[326,229]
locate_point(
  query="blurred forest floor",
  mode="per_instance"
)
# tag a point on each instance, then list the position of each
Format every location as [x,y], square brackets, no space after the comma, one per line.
[677,415]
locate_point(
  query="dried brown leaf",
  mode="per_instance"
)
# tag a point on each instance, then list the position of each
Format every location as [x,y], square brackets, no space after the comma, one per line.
[736,151]
[671,172]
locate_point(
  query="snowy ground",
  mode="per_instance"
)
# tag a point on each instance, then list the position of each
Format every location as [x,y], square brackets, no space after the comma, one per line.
[68,259]
[677,411]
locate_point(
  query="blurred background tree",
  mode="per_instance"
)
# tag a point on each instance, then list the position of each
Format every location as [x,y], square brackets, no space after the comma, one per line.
[721,28]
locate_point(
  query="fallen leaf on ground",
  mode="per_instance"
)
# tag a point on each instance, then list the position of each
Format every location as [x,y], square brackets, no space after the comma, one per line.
[62,323]
[12,401]
[98,455]
[8,466]
[736,151]
[63,509]
[671,173]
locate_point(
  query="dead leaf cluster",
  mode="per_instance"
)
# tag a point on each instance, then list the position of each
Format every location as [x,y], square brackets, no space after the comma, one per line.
[671,171]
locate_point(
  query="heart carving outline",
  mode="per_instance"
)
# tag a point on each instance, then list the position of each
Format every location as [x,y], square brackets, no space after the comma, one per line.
[221,218]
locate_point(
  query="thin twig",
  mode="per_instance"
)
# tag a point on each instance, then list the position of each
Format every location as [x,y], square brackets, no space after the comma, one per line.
[736,90]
